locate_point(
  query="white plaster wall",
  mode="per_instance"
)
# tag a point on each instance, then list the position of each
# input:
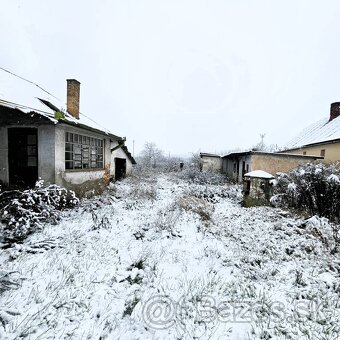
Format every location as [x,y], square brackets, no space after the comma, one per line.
[4,155]
[119,153]
[46,153]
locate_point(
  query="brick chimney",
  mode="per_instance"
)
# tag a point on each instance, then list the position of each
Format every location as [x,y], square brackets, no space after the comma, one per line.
[73,94]
[335,111]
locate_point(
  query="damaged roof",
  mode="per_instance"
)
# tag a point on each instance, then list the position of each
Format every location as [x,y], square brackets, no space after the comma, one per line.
[28,97]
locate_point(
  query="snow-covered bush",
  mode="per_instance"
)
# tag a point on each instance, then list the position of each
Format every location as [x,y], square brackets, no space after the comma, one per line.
[194,175]
[313,188]
[22,213]
[167,218]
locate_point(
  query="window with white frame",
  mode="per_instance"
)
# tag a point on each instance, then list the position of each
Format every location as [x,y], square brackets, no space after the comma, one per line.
[83,152]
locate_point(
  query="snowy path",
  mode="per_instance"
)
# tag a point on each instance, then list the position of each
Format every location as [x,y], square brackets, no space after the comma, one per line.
[152,259]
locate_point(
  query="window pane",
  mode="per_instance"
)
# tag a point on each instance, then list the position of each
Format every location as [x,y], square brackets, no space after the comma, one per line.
[68,147]
[68,156]
[69,165]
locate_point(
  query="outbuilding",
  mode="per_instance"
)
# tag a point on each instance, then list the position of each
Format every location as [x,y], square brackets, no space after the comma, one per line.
[257,186]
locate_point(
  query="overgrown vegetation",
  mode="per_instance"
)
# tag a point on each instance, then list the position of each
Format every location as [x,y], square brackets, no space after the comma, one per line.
[22,213]
[313,188]
[194,175]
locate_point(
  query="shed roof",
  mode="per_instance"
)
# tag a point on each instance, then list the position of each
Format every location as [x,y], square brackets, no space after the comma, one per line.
[206,154]
[272,154]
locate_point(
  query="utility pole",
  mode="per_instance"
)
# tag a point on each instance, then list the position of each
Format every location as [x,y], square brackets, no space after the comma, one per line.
[262,137]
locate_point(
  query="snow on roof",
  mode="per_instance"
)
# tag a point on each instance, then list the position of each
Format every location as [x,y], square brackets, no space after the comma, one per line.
[320,131]
[207,154]
[259,174]
[238,151]
[25,94]
[21,94]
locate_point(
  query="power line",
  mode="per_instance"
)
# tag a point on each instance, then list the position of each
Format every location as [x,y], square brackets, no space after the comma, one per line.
[41,88]
[29,81]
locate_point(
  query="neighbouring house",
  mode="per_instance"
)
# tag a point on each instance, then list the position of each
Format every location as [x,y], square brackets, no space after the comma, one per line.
[210,162]
[236,164]
[257,185]
[321,138]
[41,140]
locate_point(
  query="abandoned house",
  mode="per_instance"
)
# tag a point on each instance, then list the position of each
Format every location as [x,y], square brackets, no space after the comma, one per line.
[210,162]
[64,147]
[321,138]
[236,164]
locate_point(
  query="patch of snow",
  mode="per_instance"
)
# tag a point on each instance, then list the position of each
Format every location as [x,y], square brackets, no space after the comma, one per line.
[259,174]
[333,178]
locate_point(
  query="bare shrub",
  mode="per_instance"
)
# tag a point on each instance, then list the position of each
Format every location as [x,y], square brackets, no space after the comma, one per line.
[194,175]
[167,218]
[143,191]
[198,206]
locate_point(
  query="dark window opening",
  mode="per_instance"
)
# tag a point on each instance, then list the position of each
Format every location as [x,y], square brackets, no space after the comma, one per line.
[83,152]
[304,153]
[23,156]
[243,168]
[323,152]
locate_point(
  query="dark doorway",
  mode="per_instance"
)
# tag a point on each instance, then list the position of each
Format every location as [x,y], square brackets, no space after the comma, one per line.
[246,187]
[22,156]
[120,168]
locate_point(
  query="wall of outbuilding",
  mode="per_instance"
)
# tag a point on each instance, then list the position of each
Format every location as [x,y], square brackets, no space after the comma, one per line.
[119,153]
[277,163]
[210,163]
[83,182]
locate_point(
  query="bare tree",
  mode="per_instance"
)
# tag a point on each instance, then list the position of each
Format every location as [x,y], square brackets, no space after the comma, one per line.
[151,156]
[195,160]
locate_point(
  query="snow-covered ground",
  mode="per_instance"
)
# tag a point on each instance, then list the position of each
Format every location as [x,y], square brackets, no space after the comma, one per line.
[164,259]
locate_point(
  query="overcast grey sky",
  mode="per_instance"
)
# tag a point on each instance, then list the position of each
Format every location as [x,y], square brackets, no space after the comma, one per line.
[188,75]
